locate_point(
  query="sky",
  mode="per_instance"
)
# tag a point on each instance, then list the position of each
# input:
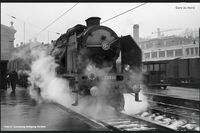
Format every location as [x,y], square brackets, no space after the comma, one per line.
[150,16]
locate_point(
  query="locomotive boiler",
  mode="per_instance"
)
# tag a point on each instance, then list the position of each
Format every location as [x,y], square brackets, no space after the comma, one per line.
[97,62]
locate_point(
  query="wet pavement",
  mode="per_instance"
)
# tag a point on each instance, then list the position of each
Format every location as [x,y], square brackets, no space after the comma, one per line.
[178,92]
[19,112]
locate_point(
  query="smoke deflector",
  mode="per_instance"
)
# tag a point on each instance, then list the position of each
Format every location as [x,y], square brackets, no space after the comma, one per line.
[130,52]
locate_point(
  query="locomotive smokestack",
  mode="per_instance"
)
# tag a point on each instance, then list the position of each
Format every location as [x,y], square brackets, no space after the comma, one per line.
[136,32]
[93,21]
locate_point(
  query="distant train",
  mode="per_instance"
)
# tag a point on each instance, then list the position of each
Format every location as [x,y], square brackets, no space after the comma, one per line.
[183,72]
[97,62]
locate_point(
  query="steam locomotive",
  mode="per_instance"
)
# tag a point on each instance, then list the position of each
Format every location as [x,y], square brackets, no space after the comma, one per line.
[97,62]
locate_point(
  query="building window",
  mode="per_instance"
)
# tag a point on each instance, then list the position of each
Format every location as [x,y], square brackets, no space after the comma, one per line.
[178,42]
[151,67]
[161,53]
[146,55]
[196,51]
[192,51]
[156,67]
[164,43]
[154,54]
[158,44]
[162,67]
[149,45]
[170,53]
[187,51]
[178,52]
[144,67]
[170,43]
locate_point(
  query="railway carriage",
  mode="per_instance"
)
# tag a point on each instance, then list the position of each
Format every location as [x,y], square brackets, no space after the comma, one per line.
[182,71]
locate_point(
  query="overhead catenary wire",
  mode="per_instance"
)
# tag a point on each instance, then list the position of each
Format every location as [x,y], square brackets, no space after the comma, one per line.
[71,9]
[122,13]
[33,25]
[56,20]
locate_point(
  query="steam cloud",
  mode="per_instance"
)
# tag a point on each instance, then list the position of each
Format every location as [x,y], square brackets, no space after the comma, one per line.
[43,75]
[56,89]
[131,106]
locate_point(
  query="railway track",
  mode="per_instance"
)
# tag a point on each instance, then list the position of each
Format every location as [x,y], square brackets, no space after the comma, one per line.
[173,118]
[177,111]
[160,116]
[169,120]
[124,122]
[172,115]
[187,103]
[120,122]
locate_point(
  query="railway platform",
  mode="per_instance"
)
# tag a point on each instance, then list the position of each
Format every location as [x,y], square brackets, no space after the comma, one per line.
[176,92]
[20,113]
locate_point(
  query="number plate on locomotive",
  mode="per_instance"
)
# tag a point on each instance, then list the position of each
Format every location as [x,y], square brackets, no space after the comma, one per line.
[109,77]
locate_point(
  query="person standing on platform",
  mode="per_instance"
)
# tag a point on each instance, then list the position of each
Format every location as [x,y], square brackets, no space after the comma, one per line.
[13,78]
[7,82]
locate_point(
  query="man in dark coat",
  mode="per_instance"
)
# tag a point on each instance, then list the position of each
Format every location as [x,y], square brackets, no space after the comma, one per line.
[7,81]
[13,77]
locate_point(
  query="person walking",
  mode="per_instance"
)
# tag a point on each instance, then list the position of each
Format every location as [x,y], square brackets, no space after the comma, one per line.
[7,82]
[13,78]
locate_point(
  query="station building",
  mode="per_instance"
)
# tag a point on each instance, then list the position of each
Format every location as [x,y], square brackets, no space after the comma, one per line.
[7,48]
[169,47]
[173,59]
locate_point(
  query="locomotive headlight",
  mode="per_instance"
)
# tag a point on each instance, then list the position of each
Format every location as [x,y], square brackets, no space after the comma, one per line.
[105,45]
[91,76]
[94,91]
[89,68]
[127,67]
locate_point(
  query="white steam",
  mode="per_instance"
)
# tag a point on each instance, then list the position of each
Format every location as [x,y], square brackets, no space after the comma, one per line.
[56,89]
[43,76]
[131,106]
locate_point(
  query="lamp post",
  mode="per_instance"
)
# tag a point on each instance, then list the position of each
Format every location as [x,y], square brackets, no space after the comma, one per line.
[24,32]
[199,42]
[48,37]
